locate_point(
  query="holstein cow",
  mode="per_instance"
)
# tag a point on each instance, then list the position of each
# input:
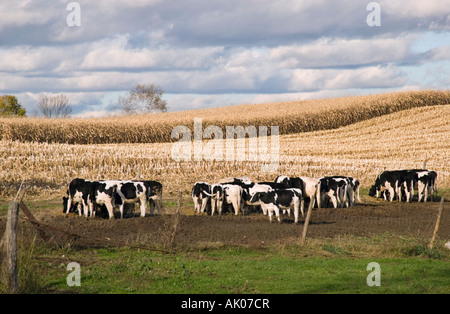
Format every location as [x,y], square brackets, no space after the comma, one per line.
[226,194]
[249,188]
[334,189]
[310,187]
[397,181]
[130,192]
[103,193]
[387,180]
[78,192]
[426,184]
[274,200]
[200,196]
[351,189]
[154,195]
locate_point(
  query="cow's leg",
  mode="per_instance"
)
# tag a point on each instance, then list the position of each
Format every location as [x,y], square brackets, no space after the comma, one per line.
[269,212]
[121,209]
[425,189]
[110,209]
[420,187]
[204,203]
[277,213]
[219,206]
[195,199]
[391,194]
[302,205]
[333,199]
[213,206]
[296,207]
[143,207]
[69,204]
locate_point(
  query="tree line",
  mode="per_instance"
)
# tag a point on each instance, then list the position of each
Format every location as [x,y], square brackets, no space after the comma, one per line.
[143,98]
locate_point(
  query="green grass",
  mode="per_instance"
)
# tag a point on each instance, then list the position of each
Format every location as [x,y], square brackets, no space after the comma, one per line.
[317,268]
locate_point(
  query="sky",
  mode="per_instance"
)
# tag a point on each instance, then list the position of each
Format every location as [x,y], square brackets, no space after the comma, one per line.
[210,53]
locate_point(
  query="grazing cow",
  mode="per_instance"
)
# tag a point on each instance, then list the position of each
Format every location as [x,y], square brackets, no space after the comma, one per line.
[200,195]
[154,195]
[274,200]
[334,189]
[103,193]
[387,180]
[130,192]
[397,181]
[78,193]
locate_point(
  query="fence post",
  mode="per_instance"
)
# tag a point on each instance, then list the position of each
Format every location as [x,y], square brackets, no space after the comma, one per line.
[305,226]
[10,248]
[438,220]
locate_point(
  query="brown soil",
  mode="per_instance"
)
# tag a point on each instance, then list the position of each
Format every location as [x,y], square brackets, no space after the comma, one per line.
[253,230]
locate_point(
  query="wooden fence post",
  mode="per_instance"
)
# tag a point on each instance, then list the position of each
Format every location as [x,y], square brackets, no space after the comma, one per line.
[10,248]
[305,226]
[438,220]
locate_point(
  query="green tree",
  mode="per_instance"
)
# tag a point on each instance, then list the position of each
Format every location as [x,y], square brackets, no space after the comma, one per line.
[10,106]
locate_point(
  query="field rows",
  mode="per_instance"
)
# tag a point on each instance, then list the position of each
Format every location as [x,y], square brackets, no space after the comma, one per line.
[400,140]
[291,117]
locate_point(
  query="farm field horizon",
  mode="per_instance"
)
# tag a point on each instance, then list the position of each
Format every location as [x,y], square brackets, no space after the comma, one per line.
[409,138]
[396,234]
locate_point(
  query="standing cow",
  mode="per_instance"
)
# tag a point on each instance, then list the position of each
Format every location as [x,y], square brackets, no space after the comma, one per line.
[274,200]
[200,195]
[78,193]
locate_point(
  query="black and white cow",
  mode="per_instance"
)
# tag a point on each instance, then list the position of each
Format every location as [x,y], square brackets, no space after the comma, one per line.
[200,195]
[387,180]
[154,195]
[78,193]
[398,181]
[351,190]
[274,200]
[223,194]
[103,194]
[334,189]
[310,187]
[131,192]
[426,184]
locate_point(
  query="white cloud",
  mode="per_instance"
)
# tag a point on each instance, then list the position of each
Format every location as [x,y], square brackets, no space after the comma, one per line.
[216,52]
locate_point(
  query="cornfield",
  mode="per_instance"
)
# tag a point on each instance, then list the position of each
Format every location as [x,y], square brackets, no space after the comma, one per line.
[404,139]
[291,117]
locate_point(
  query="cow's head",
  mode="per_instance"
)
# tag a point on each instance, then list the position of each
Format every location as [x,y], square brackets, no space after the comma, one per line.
[255,197]
[65,199]
[373,190]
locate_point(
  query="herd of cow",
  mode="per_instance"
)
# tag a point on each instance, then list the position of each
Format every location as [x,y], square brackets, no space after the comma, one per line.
[286,193]
[241,194]
[87,197]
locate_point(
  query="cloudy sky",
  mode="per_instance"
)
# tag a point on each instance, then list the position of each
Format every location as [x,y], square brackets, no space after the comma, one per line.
[209,53]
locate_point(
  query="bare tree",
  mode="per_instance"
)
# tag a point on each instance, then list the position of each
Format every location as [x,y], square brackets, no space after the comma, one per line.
[143,98]
[54,107]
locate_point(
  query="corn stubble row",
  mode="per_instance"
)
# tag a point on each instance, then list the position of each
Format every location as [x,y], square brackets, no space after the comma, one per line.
[404,139]
[291,117]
